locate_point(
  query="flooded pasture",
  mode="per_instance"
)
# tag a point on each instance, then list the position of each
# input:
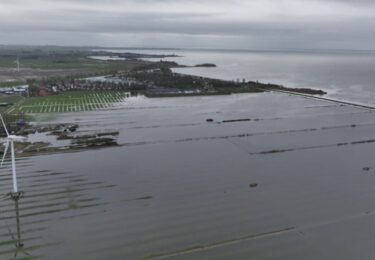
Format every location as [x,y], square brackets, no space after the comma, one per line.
[271,177]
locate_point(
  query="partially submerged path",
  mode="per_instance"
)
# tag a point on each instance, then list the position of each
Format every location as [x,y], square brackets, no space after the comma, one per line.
[347,103]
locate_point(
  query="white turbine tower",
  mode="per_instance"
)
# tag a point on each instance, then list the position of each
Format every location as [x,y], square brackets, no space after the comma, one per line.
[17,61]
[10,141]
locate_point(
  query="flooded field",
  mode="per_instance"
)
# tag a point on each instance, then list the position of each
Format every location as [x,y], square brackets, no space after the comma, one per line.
[70,102]
[269,176]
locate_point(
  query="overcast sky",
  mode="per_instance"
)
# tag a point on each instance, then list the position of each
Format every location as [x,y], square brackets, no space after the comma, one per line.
[232,24]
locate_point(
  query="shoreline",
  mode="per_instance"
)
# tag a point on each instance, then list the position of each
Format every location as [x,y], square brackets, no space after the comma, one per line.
[159,80]
[168,66]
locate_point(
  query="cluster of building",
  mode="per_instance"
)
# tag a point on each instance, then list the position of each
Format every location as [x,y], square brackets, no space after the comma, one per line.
[86,84]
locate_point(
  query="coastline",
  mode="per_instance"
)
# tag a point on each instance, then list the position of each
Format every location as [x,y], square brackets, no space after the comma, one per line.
[161,75]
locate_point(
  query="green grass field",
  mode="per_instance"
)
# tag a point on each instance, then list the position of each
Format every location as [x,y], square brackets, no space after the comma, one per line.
[8,84]
[70,102]
[58,58]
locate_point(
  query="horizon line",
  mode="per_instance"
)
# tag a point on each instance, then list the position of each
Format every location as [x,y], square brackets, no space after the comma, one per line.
[194,48]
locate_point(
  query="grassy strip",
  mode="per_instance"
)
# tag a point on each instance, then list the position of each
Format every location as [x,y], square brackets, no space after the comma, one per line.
[8,84]
[78,61]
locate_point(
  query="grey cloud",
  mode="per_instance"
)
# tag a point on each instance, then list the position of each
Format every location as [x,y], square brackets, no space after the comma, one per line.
[233,23]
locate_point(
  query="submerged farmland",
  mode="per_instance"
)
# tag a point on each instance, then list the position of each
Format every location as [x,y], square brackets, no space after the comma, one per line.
[180,186]
[70,102]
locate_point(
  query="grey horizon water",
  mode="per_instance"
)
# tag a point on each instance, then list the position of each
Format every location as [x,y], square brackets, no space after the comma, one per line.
[345,75]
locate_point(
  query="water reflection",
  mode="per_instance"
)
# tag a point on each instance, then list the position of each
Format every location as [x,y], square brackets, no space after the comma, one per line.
[16,237]
[54,198]
[158,200]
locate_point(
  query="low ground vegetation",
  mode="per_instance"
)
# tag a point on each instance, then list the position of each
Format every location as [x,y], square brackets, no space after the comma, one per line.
[74,101]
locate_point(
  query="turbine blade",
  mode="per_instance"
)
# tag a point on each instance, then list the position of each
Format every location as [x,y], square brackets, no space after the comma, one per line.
[5,152]
[5,127]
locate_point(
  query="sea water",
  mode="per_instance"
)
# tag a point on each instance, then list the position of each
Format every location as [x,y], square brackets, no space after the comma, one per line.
[345,75]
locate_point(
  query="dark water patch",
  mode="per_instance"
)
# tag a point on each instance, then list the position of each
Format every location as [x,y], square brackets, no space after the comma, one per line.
[49,173]
[34,207]
[150,107]
[25,231]
[195,139]
[109,186]
[6,168]
[45,193]
[303,116]
[113,133]
[364,142]
[96,123]
[144,198]
[28,249]
[52,199]
[236,120]
[8,241]
[276,151]
[75,216]
[317,115]
[48,182]
[32,223]
[138,198]
[194,216]
[62,208]
[26,175]
[46,171]
[22,165]
[198,248]
[323,106]
[347,126]
[154,238]
[62,178]
[65,187]
[48,194]
[63,203]
[62,190]
[165,126]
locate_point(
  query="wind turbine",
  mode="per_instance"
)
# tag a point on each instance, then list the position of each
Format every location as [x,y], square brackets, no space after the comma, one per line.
[17,61]
[10,141]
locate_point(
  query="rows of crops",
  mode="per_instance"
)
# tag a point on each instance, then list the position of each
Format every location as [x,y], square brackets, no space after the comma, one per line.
[70,102]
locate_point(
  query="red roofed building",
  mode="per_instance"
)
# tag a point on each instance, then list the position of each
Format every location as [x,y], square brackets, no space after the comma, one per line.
[42,91]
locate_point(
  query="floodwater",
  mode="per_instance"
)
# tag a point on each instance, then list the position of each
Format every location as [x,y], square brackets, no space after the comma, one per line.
[178,187]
